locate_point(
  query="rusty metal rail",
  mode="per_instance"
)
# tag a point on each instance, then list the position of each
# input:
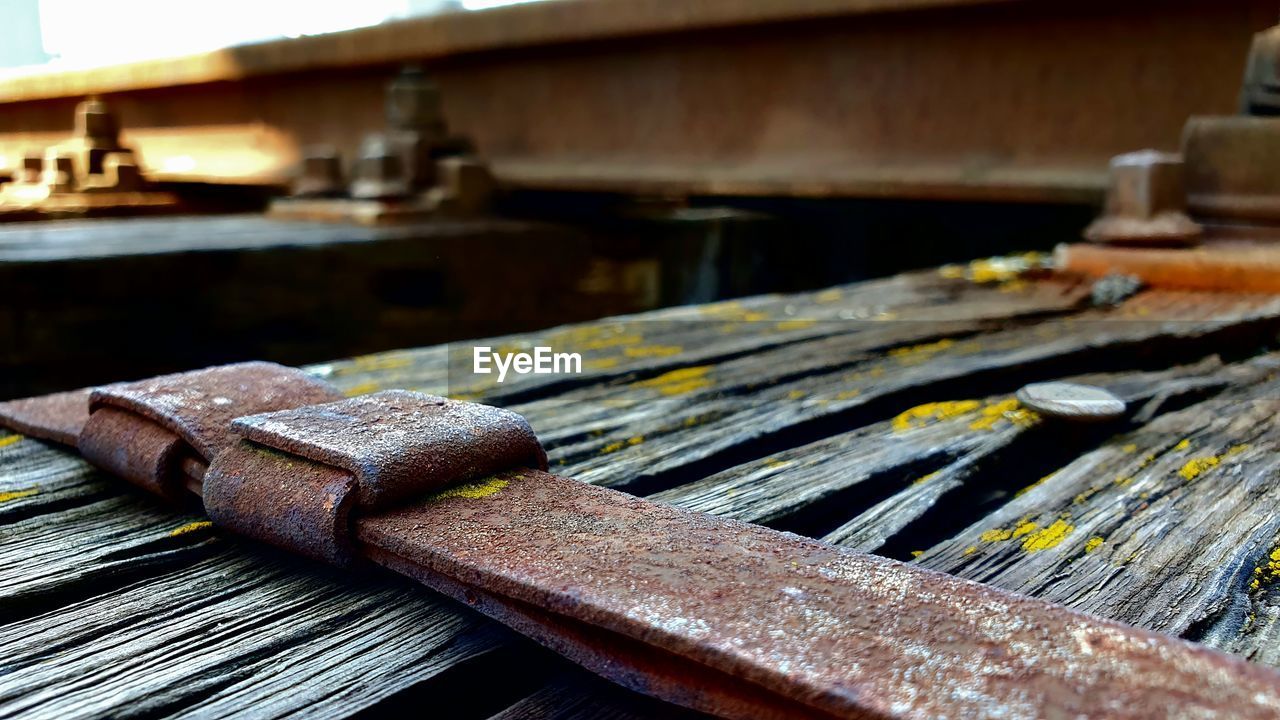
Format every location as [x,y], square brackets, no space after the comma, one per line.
[718,615]
[972,99]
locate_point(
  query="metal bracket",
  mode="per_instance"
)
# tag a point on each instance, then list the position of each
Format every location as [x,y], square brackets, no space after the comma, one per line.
[412,170]
[315,465]
[90,172]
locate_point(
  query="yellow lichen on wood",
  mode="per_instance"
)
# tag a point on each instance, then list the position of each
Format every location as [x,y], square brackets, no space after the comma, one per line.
[1183,445]
[970,550]
[785,325]
[926,478]
[614,447]
[928,413]
[1083,497]
[1048,538]
[1024,528]
[1093,543]
[648,351]
[996,535]
[995,269]
[1267,573]
[381,361]
[917,354]
[732,309]
[17,494]
[190,528]
[600,363]
[363,388]
[1010,410]
[1195,467]
[826,297]
[679,382]
[607,342]
[10,440]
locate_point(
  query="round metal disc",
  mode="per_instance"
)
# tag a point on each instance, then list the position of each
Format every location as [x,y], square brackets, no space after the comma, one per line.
[1070,401]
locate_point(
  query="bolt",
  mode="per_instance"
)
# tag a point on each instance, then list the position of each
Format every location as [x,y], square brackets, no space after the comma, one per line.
[58,172]
[1146,202]
[413,103]
[96,125]
[465,187]
[122,172]
[380,171]
[321,174]
[32,167]
[1258,90]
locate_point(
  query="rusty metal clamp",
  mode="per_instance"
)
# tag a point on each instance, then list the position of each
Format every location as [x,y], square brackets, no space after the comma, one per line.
[315,464]
[161,433]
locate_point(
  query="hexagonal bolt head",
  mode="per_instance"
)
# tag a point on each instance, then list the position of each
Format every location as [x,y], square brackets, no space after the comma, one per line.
[120,170]
[1146,202]
[1258,90]
[59,173]
[32,168]
[380,172]
[413,103]
[97,125]
[465,187]
[321,174]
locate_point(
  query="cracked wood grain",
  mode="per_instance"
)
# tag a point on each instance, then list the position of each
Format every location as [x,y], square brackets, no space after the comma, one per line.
[795,379]
[1168,527]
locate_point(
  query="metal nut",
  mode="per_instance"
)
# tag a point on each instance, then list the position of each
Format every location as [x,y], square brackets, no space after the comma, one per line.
[1146,202]
[413,103]
[321,174]
[380,172]
[465,187]
[59,174]
[32,168]
[1260,90]
[96,125]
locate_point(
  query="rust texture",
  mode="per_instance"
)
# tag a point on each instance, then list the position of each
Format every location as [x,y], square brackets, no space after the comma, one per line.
[398,443]
[725,97]
[1223,266]
[284,500]
[134,448]
[57,417]
[840,632]
[1146,202]
[1229,162]
[199,405]
[626,661]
